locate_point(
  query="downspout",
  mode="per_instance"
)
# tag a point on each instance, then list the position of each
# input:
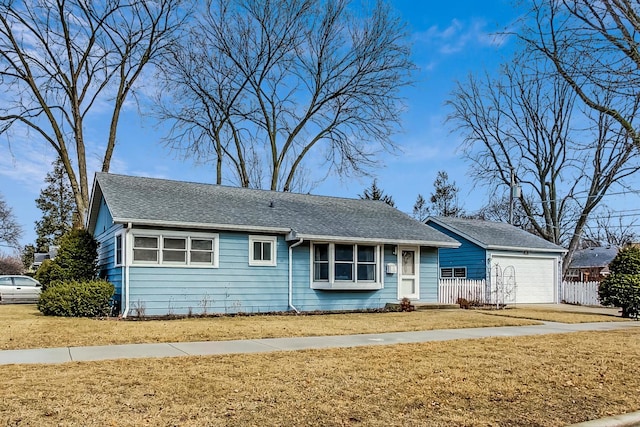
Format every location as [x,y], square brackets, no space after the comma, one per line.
[293,234]
[125,282]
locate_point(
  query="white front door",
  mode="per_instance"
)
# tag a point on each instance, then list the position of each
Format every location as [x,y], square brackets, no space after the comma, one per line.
[409,272]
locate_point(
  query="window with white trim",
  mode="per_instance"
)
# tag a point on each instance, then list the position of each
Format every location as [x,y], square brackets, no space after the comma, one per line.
[453,273]
[345,263]
[262,250]
[118,247]
[175,249]
[146,249]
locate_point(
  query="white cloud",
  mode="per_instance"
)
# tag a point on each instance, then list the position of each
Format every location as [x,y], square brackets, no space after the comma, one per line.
[460,35]
[26,163]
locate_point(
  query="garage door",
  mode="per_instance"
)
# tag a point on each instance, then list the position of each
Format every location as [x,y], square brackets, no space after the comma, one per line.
[534,278]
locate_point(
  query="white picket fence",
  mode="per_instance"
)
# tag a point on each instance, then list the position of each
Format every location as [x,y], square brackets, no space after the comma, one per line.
[584,293]
[452,289]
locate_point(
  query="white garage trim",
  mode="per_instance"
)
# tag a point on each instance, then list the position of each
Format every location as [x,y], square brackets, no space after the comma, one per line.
[536,277]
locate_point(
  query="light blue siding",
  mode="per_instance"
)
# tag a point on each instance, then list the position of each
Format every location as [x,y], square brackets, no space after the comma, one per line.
[428,274]
[468,255]
[104,234]
[307,299]
[234,287]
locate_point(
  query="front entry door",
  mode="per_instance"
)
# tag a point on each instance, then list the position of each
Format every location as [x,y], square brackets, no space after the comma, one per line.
[409,277]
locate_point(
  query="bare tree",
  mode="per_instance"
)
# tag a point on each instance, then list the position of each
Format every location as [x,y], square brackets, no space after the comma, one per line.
[565,159]
[63,60]
[607,228]
[497,209]
[10,230]
[593,46]
[10,264]
[260,87]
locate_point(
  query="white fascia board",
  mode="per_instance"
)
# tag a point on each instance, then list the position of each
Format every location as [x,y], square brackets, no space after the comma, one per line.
[520,248]
[90,225]
[212,226]
[346,239]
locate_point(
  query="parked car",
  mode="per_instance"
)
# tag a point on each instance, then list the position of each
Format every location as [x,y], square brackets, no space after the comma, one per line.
[19,289]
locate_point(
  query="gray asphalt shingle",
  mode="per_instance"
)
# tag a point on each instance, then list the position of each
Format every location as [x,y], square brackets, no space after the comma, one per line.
[176,203]
[593,257]
[495,235]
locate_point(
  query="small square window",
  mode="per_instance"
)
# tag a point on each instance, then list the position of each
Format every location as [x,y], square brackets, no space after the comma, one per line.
[446,273]
[262,250]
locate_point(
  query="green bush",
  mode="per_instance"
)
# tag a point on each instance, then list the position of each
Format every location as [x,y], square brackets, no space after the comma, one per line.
[47,273]
[77,259]
[78,255]
[626,262]
[77,299]
[622,287]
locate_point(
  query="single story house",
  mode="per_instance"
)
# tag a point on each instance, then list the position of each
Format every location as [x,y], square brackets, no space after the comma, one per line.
[173,247]
[518,266]
[591,264]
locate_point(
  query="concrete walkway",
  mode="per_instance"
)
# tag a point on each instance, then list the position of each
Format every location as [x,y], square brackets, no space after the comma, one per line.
[131,351]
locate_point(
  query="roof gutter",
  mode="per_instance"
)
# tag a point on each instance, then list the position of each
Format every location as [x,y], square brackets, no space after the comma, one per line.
[292,236]
[376,240]
[527,249]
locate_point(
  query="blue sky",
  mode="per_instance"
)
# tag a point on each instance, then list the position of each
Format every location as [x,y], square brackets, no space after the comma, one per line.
[450,40]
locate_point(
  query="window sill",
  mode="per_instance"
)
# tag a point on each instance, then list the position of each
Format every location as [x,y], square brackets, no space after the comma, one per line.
[347,286]
[181,266]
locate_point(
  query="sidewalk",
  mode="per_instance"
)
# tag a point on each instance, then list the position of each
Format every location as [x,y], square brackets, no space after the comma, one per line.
[131,351]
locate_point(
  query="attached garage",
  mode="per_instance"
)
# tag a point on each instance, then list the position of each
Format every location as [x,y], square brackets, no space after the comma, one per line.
[528,279]
[518,266]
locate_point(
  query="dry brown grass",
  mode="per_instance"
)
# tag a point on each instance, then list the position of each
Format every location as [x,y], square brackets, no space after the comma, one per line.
[550,315]
[24,327]
[549,380]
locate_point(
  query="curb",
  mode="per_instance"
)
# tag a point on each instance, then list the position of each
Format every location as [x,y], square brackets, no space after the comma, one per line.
[625,420]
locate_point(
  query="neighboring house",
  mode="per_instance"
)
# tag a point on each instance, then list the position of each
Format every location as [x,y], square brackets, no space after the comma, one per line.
[39,257]
[524,267]
[174,247]
[591,264]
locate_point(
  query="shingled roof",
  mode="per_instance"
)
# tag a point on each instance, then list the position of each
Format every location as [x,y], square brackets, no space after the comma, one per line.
[593,257]
[160,202]
[495,235]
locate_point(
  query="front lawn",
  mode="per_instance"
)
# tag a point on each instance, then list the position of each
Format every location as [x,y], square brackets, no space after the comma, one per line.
[24,327]
[550,380]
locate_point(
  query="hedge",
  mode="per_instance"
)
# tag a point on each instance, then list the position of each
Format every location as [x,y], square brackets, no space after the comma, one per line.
[77,299]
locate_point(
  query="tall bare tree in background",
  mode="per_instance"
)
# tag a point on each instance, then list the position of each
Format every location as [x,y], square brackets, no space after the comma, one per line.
[267,90]
[565,158]
[10,230]
[611,229]
[593,46]
[63,60]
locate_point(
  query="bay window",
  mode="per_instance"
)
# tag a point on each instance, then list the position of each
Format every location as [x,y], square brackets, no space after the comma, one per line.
[346,266]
